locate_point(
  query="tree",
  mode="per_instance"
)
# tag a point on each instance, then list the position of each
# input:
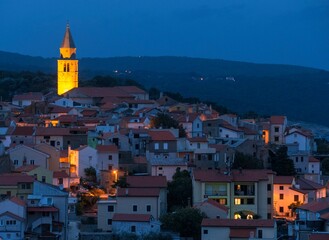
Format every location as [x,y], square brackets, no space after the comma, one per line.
[121,182]
[185,221]
[163,120]
[325,166]
[281,164]
[90,174]
[246,161]
[180,190]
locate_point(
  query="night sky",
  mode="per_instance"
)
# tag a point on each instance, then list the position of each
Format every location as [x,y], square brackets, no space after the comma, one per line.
[263,31]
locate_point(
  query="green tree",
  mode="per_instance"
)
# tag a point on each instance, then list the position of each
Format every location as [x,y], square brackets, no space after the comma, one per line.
[325,166]
[121,182]
[163,120]
[185,221]
[322,146]
[90,174]
[281,164]
[246,161]
[180,190]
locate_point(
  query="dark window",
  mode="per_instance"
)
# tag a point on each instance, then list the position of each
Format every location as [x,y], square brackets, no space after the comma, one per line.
[260,233]
[276,129]
[43,179]
[281,209]
[269,201]
[276,139]
[109,221]
[148,208]
[281,187]
[133,228]
[110,157]
[296,159]
[281,196]
[134,208]
[110,208]
[296,198]
[205,231]
[302,159]
[269,216]
[60,181]
[269,187]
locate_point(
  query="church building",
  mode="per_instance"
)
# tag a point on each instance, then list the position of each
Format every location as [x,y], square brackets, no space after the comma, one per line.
[67,64]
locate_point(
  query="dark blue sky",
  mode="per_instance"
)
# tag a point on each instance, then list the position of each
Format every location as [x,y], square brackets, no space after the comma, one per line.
[264,31]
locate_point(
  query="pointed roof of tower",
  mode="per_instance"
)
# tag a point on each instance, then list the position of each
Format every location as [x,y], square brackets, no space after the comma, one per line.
[68,39]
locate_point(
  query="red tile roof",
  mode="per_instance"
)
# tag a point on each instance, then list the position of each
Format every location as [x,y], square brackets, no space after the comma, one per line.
[238,223]
[34,96]
[26,168]
[18,201]
[306,184]
[241,233]
[42,209]
[107,148]
[23,131]
[315,206]
[216,204]
[68,118]
[282,179]
[313,159]
[12,179]
[11,215]
[319,236]
[131,89]
[60,174]
[277,119]
[121,217]
[147,181]
[246,175]
[138,192]
[198,139]
[99,92]
[162,135]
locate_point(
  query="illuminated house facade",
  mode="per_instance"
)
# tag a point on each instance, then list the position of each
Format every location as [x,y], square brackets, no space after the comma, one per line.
[246,192]
[67,65]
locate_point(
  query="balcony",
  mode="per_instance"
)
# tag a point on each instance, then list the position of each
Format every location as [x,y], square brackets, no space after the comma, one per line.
[40,221]
[216,193]
[64,165]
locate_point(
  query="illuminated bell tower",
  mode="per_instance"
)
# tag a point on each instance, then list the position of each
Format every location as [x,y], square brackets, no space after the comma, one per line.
[67,65]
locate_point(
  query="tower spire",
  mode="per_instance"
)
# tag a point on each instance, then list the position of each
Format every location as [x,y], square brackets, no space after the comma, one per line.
[68,39]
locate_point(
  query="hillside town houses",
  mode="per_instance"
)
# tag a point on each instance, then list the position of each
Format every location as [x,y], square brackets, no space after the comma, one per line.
[48,142]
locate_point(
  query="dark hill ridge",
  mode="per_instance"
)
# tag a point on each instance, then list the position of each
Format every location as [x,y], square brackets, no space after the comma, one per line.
[301,93]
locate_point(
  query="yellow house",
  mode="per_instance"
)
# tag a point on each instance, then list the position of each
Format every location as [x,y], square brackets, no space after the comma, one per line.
[16,184]
[39,173]
[246,192]
[289,192]
[67,65]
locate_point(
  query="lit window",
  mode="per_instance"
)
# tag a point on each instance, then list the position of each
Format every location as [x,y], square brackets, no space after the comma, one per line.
[237,216]
[249,216]
[156,146]
[237,201]
[165,146]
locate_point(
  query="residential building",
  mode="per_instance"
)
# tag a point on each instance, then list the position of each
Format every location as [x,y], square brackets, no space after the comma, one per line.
[278,126]
[238,229]
[19,185]
[163,143]
[244,192]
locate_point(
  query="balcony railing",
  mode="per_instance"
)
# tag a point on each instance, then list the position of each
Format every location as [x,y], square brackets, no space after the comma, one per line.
[40,221]
[216,193]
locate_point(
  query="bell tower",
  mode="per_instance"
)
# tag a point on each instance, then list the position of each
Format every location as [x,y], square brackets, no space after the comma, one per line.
[67,64]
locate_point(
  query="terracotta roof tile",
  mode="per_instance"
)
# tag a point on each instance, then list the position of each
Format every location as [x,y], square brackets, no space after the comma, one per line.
[313,159]
[34,96]
[12,179]
[26,168]
[277,119]
[131,89]
[216,204]
[11,215]
[283,179]
[18,201]
[198,139]
[107,148]
[23,131]
[315,206]
[162,135]
[60,174]
[245,175]
[42,209]
[121,217]
[238,223]
[147,181]
[319,236]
